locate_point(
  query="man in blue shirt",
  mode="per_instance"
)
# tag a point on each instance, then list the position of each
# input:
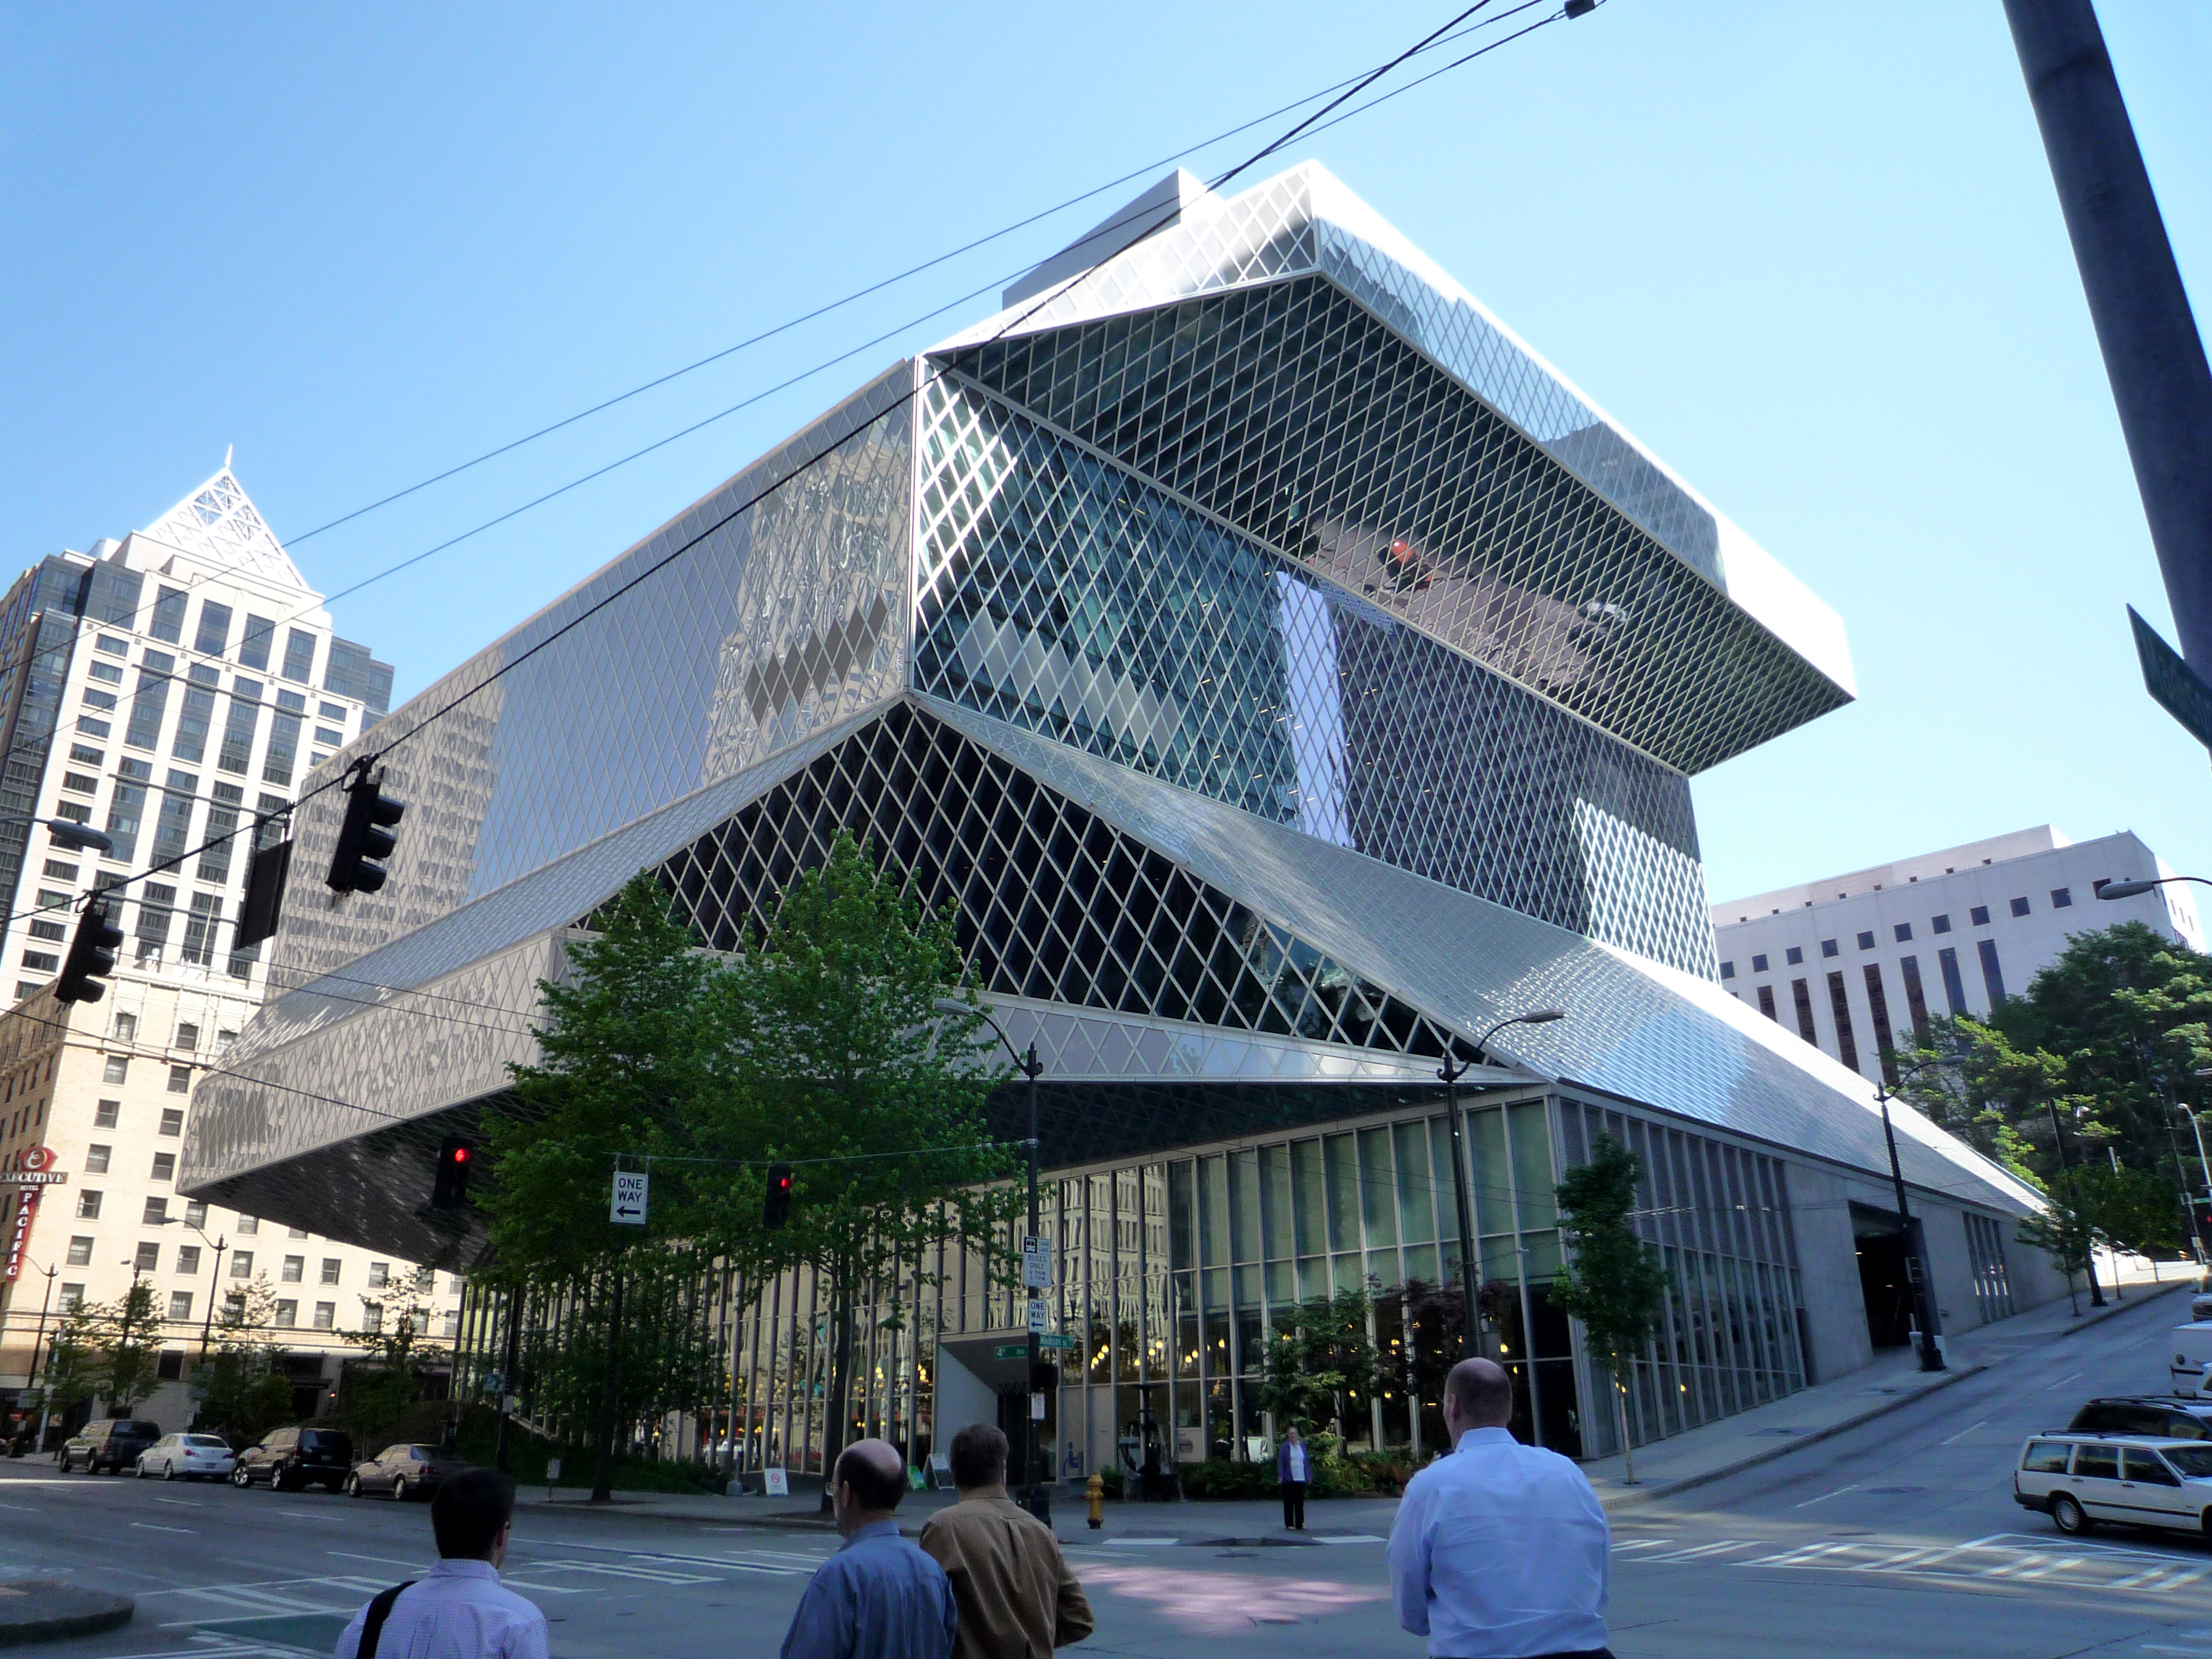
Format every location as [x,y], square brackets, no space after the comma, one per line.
[1500,1551]
[879,1597]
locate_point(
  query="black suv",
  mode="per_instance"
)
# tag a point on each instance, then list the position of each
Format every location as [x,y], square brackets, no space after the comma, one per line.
[290,1458]
[113,1443]
[2146,1414]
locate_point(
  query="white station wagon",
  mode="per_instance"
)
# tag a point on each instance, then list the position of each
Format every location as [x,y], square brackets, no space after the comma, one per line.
[2079,1479]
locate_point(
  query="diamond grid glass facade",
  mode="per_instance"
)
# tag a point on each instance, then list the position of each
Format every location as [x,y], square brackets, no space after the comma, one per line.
[1283,678]
[1061,592]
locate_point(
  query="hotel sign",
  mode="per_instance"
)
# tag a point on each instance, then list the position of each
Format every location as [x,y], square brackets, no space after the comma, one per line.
[35,1174]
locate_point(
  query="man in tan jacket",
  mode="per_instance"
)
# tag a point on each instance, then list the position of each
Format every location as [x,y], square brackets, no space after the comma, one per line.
[1017,1598]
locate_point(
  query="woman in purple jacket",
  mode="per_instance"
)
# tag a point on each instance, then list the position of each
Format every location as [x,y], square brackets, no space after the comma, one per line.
[1293,1467]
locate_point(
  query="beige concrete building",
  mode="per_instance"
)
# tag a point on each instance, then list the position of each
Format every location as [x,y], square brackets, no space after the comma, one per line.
[164,690]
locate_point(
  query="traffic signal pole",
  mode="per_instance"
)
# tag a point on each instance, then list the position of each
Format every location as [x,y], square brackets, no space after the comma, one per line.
[2154,356]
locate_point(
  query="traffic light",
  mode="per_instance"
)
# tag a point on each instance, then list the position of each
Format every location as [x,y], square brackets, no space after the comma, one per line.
[265,893]
[451,1189]
[91,955]
[365,835]
[776,1209]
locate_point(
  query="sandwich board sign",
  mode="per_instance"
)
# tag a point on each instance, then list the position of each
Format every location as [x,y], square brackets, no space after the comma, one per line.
[776,1483]
[629,1205]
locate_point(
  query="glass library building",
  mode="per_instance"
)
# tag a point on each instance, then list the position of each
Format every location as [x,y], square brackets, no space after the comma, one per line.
[1288,678]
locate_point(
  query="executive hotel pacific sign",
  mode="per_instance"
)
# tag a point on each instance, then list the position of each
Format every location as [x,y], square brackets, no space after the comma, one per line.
[33,1173]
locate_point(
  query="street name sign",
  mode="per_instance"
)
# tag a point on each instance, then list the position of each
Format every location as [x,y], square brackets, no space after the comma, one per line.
[1054,1340]
[1037,1263]
[1011,1351]
[2174,685]
[628,1205]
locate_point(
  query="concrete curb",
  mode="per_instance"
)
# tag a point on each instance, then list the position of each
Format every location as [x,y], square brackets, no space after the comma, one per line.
[46,1610]
[1630,1497]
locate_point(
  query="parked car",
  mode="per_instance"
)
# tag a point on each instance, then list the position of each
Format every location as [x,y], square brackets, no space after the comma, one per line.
[187,1457]
[113,1443]
[288,1460]
[2136,1479]
[2150,1414]
[405,1472]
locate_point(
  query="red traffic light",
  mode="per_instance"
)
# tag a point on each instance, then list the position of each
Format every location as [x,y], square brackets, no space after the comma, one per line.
[459,1155]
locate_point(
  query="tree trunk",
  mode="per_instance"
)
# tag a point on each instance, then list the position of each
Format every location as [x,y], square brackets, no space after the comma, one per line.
[835,1408]
[602,1475]
[2096,1290]
[1627,1451]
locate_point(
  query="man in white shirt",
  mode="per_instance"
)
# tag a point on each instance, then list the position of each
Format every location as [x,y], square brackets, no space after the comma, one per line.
[1500,1551]
[458,1609]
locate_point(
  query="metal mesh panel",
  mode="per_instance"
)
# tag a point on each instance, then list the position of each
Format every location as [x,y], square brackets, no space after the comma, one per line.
[1061,593]
[1291,410]
[1053,903]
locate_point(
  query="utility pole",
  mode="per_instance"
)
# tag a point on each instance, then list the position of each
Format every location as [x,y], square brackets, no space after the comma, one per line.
[2154,356]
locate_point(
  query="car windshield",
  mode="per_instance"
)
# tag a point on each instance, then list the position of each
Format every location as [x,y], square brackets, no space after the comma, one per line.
[207,1440]
[2194,1462]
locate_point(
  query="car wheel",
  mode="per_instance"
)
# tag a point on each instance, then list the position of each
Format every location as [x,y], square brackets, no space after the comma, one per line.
[352,1486]
[399,1490]
[139,1468]
[240,1478]
[169,1471]
[2069,1516]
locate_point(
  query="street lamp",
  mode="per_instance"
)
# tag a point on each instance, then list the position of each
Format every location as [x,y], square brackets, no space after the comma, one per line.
[69,837]
[1924,1299]
[1034,1498]
[2120,890]
[1451,1074]
[214,1279]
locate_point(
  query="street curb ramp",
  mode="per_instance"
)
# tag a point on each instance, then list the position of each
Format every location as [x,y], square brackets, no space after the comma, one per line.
[46,1610]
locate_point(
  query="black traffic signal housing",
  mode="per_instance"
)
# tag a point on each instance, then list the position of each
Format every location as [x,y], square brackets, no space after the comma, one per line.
[1044,1377]
[365,835]
[91,955]
[265,893]
[450,1190]
[776,1205]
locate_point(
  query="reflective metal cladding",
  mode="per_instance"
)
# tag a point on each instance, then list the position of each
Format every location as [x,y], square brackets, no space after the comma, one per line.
[1281,672]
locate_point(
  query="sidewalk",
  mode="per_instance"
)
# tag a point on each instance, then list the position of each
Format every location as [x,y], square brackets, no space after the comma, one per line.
[1664,1467]
[1894,1379]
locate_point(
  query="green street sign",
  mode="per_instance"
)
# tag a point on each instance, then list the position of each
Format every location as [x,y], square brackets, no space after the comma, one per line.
[2171,682]
[1056,1340]
[1011,1351]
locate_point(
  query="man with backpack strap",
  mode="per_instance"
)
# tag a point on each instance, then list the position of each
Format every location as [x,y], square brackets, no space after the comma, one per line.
[458,1609]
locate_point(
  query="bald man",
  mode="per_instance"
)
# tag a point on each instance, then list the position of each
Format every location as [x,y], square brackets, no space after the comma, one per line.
[878,1597]
[1500,1551]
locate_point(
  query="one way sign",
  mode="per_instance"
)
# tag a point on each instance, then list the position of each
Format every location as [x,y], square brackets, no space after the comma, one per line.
[629,1197]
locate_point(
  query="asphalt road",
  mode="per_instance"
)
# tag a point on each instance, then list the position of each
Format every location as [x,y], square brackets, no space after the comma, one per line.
[1899,1538]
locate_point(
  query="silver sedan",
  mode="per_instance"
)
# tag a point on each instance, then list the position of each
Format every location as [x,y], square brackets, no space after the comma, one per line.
[188,1457]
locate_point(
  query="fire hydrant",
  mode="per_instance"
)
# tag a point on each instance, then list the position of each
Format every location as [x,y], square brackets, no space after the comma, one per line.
[1095,1490]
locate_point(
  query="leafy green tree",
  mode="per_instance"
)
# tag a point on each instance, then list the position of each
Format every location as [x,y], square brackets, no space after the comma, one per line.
[816,1043]
[71,1369]
[129,1333]
[2138,1212]
[1322,1365]
[2066,1230]
[1615,1283]
[242,1396]
[376,1390]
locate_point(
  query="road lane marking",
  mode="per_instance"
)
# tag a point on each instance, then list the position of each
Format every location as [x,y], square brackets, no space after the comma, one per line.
[1963,1433]
[1826,1496]
[183,1502]
[386,1561]
[2061,1381]
[1350,1538]
[148,1526]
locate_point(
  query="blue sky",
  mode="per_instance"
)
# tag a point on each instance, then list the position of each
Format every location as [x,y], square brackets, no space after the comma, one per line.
[1808,253]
